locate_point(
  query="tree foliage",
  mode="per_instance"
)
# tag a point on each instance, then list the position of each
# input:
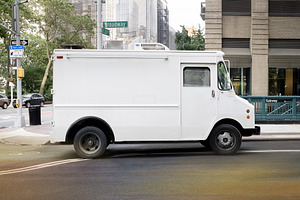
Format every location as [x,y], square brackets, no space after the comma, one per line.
[59,25]
[47,24]
[185,42]
[34,65]
[6,36]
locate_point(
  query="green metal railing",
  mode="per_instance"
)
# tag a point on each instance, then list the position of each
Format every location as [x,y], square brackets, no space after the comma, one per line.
[275,108]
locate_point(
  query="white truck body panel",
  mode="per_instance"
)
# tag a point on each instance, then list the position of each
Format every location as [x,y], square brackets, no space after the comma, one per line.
[141,94]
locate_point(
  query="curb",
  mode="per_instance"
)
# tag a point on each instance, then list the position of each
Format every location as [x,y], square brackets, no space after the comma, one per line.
[274,137]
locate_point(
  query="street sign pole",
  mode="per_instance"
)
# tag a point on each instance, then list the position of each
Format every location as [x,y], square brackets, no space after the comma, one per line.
[99,28]
[20,119]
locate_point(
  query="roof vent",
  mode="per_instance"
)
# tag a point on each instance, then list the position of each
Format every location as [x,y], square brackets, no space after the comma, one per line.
[150,46]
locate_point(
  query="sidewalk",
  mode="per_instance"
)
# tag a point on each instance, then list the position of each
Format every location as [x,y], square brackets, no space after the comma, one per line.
[39,134]
[277,132]
[27,136]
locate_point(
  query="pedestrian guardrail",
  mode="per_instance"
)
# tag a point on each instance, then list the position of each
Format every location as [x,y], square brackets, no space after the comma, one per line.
[274,108]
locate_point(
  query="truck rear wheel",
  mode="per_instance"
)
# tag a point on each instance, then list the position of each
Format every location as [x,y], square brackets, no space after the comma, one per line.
[225,139]
[90,142]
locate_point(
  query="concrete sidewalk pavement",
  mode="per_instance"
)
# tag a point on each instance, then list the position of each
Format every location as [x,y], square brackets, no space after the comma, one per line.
[277,132]
[39,134]
[28,135]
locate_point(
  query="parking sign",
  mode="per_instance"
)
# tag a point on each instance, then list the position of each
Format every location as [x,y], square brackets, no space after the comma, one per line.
[16,51]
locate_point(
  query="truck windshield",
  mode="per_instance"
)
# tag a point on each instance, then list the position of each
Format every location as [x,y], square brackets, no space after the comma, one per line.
[223,77]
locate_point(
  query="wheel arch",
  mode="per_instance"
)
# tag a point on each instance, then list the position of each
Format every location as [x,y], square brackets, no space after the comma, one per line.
[90,121]
[232,122]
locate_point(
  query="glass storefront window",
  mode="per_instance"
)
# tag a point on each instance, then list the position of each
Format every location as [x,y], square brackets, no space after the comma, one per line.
[240,78]
[284,81]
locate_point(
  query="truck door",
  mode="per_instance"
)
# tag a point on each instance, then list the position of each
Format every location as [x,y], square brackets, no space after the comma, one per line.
[199,102]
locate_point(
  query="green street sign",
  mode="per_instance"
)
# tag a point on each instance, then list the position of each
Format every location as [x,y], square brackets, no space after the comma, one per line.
[105,31]
[115,24]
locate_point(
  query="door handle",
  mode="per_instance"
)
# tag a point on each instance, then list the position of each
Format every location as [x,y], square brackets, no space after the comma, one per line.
[213,94]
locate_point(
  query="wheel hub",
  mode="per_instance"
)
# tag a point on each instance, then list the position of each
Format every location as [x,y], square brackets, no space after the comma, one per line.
[225,139]
[90,143]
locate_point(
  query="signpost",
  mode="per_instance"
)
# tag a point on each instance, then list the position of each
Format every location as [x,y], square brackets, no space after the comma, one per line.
[115,24]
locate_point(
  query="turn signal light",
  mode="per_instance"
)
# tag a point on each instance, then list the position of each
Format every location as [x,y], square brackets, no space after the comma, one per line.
[248,111]
[248,116]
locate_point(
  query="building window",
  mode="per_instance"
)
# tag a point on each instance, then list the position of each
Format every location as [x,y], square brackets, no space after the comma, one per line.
[284,81]
[235,42]
[290,8]
[284,43]
[196,77]
[240,78]
[236,7]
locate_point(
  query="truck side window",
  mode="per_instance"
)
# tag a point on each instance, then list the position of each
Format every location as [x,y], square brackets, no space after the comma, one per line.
[223,77]
[196,77]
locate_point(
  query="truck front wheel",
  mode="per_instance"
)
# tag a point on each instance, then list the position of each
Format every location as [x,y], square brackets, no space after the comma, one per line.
[225,139]
[90,142]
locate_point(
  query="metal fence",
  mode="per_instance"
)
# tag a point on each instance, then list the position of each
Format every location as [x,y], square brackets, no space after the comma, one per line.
[275,108]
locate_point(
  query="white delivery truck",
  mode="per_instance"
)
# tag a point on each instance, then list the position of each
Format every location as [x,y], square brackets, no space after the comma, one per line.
[103,97]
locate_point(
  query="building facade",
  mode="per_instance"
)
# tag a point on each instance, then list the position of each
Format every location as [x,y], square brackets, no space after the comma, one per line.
[148,20]
[261,38]
[163,22]
[128,10]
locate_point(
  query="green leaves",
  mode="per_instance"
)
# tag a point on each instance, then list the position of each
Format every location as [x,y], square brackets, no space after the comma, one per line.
[186,42]
[60,24]
[47,24]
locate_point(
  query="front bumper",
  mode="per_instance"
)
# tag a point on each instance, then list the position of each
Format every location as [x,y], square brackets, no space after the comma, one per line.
[253,131]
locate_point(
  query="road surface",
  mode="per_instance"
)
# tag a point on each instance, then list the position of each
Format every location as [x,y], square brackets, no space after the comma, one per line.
[260,170]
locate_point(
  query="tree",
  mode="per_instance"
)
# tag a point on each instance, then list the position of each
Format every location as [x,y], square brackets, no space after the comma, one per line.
[34,63]
[5,19]
[186,42]
[59,25]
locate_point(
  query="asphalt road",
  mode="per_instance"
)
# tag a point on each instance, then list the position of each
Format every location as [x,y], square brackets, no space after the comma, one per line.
[7,116]
[260,170]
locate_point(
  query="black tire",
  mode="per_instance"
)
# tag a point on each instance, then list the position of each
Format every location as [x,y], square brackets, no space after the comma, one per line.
[225,139]
[90,142]
[4,106]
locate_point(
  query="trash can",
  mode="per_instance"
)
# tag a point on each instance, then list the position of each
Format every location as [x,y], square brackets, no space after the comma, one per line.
[34,115]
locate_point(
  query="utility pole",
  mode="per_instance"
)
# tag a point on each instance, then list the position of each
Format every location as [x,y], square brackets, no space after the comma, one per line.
[99,27]
[20,119]
[147,18]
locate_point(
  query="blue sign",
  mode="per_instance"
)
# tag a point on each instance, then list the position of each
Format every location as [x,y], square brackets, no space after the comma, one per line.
[16,51]
[16,47]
